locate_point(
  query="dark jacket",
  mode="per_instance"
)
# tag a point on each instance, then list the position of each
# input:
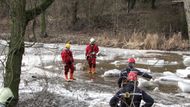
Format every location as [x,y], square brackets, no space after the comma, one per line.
[126,102]
[124,74]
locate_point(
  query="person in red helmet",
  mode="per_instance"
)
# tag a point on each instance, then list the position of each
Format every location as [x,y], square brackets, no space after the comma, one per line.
[67,59]
[129,95]
[91,51]
[131,69]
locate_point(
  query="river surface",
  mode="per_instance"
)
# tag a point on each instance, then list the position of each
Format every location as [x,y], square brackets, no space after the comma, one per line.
[42,83]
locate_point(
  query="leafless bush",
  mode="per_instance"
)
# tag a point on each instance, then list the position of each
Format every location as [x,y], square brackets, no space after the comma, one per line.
[136,40]
[152,41]
[175,42]
[147,41]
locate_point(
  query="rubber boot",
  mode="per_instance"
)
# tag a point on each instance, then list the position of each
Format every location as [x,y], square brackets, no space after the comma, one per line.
[71,76]
[93,70]
[89,70]
[66,77]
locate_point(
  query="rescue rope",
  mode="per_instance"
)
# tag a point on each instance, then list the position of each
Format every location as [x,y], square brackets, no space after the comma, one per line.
[132,102]
[134,89]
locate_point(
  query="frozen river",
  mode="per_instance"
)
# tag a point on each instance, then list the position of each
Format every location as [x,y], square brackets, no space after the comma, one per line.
[42,83]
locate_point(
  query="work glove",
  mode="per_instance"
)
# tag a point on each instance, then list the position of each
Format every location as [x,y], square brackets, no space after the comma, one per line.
[86,57]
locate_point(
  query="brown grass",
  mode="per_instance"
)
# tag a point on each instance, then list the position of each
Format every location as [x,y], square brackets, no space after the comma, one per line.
[135,41]
[147,41]
[176,43]
[152,41]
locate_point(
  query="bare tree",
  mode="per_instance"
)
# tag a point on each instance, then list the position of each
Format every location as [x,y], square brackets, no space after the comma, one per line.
[74,12]
[43,24]
[19,18]
[131,4]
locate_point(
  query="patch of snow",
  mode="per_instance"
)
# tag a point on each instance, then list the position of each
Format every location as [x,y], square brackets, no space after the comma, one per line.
[173,105]
[171,79]
[155,62]
[80,66]
[143,83]
[112,73]
[184,95]
[91,97]
[144,70]
[3,42]
[186,61]
[119,62]
[36,60]
[51,46]
[38,72]
[168,73]
[48,67]
[183,72]
[184,85]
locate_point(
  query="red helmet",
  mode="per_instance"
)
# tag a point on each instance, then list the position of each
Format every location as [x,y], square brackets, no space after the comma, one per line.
[131,60]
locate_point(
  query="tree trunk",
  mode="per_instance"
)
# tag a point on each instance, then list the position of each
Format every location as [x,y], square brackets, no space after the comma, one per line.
[130,5]
[74,12]
[16,47]
[19,18]
[43,25]
[187,12]
[153,6]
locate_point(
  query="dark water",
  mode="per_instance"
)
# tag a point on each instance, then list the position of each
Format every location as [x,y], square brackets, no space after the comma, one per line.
[168,57]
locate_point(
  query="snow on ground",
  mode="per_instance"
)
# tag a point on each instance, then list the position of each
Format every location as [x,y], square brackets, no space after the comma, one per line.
[186,60]
[38,67]
[112,73]
[183,72]
[184,85]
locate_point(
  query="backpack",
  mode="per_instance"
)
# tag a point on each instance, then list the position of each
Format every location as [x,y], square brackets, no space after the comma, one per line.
[132,76]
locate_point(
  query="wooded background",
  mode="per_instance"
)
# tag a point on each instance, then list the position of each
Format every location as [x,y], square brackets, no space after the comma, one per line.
[111,16]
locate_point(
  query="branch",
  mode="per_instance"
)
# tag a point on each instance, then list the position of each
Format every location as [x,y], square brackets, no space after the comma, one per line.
[2,1]
[6,2]
[33,27]
[31,14]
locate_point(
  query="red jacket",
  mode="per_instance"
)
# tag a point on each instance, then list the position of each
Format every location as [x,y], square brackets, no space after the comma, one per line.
[67,56]
[91,50]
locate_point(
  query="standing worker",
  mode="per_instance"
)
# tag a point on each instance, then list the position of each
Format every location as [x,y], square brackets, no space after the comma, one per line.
[68,61]
[91,52]
[130,69]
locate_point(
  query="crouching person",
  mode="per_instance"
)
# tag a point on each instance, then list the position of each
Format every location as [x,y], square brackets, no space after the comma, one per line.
[6,96]
[130,95]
